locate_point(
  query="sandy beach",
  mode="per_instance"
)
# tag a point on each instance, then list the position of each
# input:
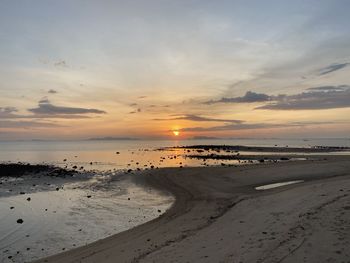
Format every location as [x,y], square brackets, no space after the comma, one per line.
[218,216]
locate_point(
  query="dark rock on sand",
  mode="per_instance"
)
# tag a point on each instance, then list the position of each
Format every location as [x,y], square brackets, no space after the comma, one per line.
[20,221]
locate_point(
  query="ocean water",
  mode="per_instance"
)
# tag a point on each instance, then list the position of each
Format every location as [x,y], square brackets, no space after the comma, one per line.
[80,212]
[55,221]
[102,155]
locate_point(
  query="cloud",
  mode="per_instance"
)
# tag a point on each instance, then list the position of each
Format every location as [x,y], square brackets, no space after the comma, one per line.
[27,124]
[10,113]
[318,98]
[52,91]
[250,126]
[191,117]
[61,64]
[332,68]
[44,100]
[135,111]
[315,98]
[249,97]
[46,108]
[7,112]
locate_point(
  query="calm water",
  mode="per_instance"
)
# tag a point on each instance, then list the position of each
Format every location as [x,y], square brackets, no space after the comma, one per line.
[141,153]
[60,220]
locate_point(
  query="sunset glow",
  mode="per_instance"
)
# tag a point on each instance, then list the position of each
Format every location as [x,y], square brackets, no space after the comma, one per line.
[129,70]
[176,133]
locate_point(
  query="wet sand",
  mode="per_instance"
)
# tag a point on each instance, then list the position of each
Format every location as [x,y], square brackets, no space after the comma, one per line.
[45,210]
[218,216]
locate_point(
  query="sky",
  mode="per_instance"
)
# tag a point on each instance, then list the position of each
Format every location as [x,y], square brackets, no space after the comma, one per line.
[143,69]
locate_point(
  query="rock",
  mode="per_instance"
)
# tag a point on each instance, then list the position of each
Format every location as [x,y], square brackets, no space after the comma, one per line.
[28,199]
[57,188]
[89,196]
[12,207]
[284,158]
[159,211]
[20,221]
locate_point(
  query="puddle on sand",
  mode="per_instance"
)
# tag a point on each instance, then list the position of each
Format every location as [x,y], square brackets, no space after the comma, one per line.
[275,185]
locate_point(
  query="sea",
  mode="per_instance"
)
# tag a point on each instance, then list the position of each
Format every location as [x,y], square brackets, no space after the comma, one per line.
[61,214]
[123,154]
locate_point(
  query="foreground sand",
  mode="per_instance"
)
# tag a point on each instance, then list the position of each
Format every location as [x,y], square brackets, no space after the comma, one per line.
[219,217]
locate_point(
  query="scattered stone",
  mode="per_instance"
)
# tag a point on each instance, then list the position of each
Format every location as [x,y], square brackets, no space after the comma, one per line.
[28,199]
[20,221]
[89,196]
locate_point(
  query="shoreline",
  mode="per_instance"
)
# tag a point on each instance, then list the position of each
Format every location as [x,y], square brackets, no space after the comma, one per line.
[192,225]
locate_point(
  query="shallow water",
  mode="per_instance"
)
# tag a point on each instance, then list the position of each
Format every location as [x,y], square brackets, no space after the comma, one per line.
[275,185]
[71,218]
[54,221]
[102,155]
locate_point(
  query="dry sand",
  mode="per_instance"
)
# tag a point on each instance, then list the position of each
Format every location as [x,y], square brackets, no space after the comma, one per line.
[218,216]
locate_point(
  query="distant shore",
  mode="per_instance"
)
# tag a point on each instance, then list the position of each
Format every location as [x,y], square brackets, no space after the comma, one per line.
[218,216]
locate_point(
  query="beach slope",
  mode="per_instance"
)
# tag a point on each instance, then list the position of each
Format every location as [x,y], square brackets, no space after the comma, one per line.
[218,216]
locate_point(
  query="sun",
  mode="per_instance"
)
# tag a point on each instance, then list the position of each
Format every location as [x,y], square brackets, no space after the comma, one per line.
[176,133]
